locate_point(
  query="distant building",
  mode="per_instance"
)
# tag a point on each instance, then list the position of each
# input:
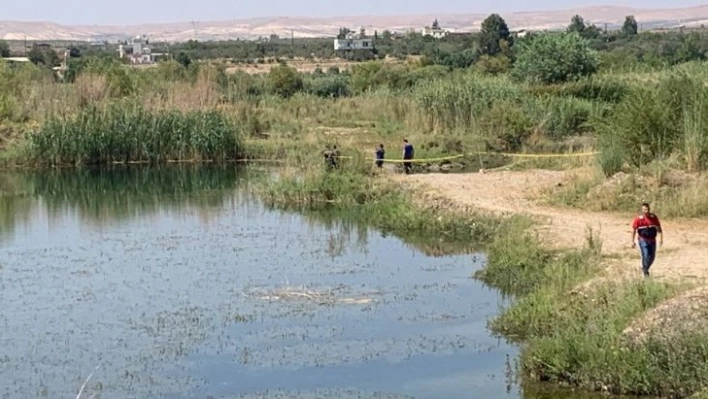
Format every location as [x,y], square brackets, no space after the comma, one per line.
[15,59]
[352,41]
[42,47]
[139,51]
[435,31]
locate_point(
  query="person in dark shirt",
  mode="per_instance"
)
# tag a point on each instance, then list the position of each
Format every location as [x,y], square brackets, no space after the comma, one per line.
[380,155]
[328,158]
[407,155]
[334,157]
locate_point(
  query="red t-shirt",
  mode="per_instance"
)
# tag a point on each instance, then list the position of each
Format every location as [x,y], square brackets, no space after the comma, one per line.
[647,226]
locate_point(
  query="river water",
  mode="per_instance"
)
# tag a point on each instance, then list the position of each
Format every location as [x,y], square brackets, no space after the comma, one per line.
[178,283]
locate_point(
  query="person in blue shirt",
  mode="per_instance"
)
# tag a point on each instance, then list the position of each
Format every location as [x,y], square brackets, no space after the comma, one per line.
[380,155]
[407,155]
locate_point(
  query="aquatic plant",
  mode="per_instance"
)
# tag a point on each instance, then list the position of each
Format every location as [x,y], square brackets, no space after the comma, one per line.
[129,133]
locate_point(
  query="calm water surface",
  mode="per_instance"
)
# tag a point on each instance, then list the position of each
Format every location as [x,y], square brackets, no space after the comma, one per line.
[177,283]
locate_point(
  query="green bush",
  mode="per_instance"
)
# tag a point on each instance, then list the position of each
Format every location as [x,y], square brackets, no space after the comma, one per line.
[554,58]
[328,86]
[285,81]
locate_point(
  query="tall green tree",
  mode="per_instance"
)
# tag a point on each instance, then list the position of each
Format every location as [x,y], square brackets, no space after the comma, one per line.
[577,25]
[494,30]
[4,49]
[630,28]
[184,59]
[585,30]
[554,58]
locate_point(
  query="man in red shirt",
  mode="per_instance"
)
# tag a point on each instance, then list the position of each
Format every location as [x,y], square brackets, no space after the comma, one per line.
[647,227]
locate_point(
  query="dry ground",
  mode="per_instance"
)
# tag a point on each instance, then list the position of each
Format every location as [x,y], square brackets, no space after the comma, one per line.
[683,258]
[304,65]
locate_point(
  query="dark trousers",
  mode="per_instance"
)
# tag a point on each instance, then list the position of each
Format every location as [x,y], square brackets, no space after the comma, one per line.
[379,163]
[648,251]
[408,167]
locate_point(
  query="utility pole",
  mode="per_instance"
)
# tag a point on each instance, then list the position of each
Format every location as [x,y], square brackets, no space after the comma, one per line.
[195,27]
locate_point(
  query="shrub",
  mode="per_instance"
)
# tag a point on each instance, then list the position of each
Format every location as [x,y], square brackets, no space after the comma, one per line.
[328,86]
[554,58]
[285,81]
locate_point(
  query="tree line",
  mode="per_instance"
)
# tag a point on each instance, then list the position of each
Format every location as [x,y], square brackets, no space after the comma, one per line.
[494,48]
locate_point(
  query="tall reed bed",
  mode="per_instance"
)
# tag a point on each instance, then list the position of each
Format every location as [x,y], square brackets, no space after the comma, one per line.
[458,104]
[124,133]
[657,121]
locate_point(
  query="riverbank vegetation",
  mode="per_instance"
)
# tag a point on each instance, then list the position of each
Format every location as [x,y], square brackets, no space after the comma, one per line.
[356,194]
[501,101]
[580,337]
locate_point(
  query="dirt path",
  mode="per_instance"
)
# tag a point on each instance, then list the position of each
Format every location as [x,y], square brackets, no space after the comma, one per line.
[683,257]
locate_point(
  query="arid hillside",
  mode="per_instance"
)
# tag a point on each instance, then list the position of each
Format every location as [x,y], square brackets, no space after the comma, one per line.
[322,27]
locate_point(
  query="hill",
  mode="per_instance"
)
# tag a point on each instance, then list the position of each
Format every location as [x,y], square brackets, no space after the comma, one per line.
[323,27]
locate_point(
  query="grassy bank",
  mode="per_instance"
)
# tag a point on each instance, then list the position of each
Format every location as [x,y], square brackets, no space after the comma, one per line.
[578,337]
[357,194]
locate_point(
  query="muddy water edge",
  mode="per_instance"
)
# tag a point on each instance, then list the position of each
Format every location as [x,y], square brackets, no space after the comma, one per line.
[177,282]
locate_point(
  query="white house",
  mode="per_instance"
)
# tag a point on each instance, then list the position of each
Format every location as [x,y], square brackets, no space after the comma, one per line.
[354,42]
[138,52]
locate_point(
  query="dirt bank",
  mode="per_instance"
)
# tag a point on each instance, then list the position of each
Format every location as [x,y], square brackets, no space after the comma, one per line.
[683,256]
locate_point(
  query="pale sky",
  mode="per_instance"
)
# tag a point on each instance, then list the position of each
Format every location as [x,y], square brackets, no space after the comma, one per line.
[130,12]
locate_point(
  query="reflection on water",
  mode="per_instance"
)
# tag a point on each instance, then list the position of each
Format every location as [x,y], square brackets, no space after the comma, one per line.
[177,283]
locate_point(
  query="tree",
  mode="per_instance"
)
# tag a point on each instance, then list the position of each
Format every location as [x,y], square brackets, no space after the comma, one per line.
[494,29]
[284,80]
[47,58]
[343,32]
[554,58]
[4,49]
[629,28]
[184,59]
[74,52]
[577,25]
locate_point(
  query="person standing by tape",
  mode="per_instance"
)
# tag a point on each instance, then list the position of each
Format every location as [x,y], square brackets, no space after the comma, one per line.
[380,153]
[647,226]
[407,156]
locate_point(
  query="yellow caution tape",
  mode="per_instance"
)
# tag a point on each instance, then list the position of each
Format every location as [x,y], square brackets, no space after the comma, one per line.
[578,154]
[420,160]
[423,160]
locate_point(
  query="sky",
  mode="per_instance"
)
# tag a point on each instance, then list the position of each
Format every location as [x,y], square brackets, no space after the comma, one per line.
[131,12]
